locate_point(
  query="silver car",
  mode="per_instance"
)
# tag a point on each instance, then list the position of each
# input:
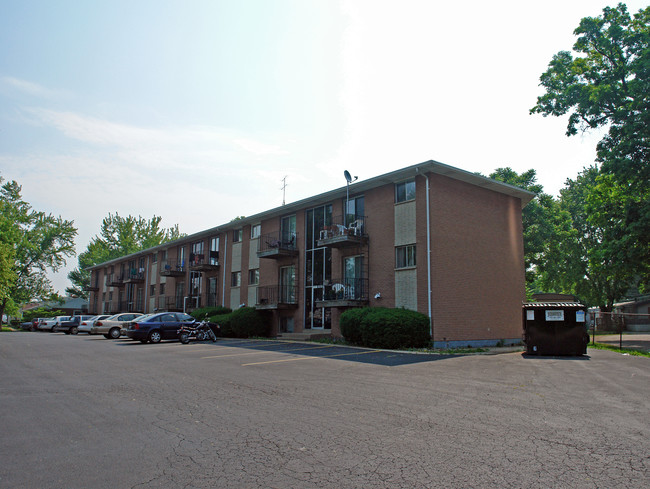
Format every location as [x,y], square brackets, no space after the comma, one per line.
[86,326]
[110,327]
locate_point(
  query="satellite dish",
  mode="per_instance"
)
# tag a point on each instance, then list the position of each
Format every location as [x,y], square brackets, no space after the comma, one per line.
[348,177]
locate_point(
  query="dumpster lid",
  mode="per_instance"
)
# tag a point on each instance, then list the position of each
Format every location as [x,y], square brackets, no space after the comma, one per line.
[565,305]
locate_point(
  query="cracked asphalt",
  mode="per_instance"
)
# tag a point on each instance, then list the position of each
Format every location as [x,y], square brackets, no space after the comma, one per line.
[85,412]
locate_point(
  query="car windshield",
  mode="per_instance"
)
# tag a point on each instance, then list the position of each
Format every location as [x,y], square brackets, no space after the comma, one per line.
[141,318]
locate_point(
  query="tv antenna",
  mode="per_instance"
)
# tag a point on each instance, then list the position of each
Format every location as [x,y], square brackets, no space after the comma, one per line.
[284,188]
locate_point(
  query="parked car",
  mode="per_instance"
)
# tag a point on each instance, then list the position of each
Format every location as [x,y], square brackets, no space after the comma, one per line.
[86,326]
[31,325]
[72,325]
[50,323]
[156,327]
[112,325]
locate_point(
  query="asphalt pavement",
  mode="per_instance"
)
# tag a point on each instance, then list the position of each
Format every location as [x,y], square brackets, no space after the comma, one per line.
[86,412]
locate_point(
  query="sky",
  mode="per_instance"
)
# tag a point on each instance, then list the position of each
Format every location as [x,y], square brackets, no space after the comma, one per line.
[196,110]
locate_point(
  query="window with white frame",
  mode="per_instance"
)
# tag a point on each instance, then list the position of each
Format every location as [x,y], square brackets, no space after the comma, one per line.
[235,279]
[405,191]
[254,276]
[256,230]
[405,256]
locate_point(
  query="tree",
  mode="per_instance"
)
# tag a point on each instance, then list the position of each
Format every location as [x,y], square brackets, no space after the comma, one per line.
[608,85]
[31,243]
[119,236]
[587,261]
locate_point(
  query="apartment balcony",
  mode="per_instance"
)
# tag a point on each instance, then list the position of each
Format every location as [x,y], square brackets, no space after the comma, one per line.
[172,268]
[345,293]
[339,234]
[135,277]
[277,246]
[115,281]
[91,288]
[275,297]
[171,303]
[204,263]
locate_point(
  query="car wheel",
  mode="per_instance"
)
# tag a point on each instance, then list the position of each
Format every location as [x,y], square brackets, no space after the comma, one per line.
[155,337]
[74,331]
[114,333]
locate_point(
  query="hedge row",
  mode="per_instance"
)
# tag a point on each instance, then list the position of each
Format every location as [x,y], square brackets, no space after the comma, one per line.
[381,327]
[245,322]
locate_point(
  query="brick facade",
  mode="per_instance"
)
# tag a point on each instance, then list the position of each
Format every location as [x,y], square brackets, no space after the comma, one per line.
[476,260]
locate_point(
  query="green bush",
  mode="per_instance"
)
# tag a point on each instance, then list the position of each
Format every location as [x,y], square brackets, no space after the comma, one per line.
[245,322]
[350,324]
[379,327]
[204,312]
[41,313]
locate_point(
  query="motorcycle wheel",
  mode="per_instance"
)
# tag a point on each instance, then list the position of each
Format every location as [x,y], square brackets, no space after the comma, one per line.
[184,338]
[200,335]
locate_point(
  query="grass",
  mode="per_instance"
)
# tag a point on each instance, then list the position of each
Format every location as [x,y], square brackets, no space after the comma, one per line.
[627,351]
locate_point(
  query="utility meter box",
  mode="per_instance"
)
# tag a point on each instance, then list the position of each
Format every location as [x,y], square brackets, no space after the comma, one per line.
[555,328]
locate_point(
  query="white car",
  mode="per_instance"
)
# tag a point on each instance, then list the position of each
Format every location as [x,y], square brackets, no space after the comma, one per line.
[86,326]
[111,326]
[50,324]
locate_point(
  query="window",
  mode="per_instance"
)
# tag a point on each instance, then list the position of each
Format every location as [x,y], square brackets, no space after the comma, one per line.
[405,191]
[254,276]
[256,230]
[405,256]
[214,251]
[152,290]
[155,257]
[236,236]
[235,279]
[162,289]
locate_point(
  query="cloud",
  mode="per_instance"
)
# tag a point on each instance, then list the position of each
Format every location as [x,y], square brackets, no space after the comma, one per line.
[30,88]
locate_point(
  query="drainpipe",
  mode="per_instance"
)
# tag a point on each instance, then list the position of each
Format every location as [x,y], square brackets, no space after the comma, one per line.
[225,260]
[429,292]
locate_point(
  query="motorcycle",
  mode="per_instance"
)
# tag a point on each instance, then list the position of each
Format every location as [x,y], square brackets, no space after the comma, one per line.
[200,331]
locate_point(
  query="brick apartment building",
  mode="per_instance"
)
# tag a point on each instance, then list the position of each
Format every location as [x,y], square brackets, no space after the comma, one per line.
[428,237]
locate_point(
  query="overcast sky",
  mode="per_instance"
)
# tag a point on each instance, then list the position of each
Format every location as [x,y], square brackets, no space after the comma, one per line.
[195,110]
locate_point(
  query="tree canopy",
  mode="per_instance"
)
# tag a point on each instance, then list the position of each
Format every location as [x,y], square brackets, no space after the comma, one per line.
[119,236]
[607,84]
[31,243]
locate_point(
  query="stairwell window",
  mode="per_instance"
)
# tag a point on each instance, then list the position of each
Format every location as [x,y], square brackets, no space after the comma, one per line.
[236,235]
[256,230]
[405,256]
[405,191]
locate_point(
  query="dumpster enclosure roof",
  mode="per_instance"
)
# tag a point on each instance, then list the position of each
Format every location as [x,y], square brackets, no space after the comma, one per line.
[572,305]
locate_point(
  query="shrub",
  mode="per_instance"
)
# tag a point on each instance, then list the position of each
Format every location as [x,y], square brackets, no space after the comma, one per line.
[204,312]
[350,323]
[241,323]
[395,328]
[380,327]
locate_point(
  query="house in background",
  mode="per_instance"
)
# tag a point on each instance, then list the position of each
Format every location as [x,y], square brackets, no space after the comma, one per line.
[636,313]
[429,237]
[72,306]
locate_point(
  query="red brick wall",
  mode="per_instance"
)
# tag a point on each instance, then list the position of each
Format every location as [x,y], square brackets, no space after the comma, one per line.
[477,254]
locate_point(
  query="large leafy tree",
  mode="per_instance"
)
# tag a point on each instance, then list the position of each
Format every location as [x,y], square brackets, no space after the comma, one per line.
[119,236]
[607,84]
[31,243]
[587,260]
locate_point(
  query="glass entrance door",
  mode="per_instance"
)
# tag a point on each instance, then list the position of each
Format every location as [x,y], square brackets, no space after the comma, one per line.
[318,265]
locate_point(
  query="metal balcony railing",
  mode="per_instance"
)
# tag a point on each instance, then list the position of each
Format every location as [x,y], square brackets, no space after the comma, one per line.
[278,244]
[346,290]
[277,295]
[172,268]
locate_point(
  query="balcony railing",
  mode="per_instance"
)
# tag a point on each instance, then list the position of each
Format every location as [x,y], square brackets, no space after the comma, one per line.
[345,293]
[277,245]
[204,263]
[135,276]
[344,231]
[115,280]
[172,268]
[277,297]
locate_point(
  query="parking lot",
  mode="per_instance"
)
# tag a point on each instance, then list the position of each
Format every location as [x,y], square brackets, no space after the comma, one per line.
[82,411]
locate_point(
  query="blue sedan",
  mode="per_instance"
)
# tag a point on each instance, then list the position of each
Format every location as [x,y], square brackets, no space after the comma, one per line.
[156,327]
